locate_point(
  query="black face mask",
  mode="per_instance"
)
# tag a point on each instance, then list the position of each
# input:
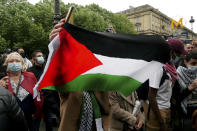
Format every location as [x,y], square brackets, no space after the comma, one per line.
[23,55]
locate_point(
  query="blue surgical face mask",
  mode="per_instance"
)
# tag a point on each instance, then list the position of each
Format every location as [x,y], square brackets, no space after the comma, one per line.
[193,68]
[40,60]
[15,67]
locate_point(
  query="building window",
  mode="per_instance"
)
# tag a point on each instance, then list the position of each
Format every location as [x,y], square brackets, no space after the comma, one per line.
[138,28]
[138,20]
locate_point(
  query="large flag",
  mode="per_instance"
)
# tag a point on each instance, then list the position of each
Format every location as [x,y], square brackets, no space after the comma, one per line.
[83,60]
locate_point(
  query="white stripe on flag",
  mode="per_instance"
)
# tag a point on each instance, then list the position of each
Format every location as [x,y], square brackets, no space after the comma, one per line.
[53,46]
[139,70]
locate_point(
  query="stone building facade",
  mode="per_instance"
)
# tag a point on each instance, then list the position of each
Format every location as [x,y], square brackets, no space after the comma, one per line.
[148,20]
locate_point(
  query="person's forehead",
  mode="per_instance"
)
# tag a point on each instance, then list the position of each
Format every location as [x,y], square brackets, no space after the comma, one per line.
[14,57]
[39,54]
[189,45]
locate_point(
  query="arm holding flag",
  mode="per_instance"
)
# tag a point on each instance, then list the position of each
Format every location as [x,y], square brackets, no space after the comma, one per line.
[72,103]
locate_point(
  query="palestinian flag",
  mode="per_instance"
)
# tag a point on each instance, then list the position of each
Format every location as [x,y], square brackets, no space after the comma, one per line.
[83,60]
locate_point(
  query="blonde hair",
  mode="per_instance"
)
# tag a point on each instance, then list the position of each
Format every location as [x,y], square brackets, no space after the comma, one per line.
[24,68]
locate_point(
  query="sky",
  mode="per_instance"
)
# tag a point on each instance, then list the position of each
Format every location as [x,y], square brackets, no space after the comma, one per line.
[175,9]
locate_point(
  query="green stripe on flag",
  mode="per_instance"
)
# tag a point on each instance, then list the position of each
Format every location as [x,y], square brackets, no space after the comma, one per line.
[99,82]
[96,108]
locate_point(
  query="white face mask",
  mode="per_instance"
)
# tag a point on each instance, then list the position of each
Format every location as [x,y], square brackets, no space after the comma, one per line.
[40,60]
[15,67]
[193,68]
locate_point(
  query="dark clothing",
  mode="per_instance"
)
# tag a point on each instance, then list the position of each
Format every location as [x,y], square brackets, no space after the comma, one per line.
[2,67]
[29,108]
[37,70]
[177,114]
[2,71]
[178,96]
[29,105]
[11,115]
[51,104]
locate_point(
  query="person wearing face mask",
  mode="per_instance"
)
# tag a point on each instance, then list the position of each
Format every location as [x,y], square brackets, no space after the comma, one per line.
[184,97]
[20,84]
[38,64]
[158,109]
[37,69]
[21,51]
[51,98]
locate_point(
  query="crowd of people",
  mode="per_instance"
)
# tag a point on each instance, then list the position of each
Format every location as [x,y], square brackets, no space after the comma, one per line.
[170,107]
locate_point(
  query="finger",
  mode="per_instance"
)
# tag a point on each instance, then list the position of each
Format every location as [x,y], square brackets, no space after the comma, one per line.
[53,36]
[59,25]
[62,20]
[5,78]
[55,31]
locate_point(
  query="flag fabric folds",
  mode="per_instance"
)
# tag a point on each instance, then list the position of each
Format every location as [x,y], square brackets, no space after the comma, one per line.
[81,60]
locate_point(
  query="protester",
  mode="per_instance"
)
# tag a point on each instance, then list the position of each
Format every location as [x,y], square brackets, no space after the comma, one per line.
[76,108]
[21,51]
[2,60]
[189,47]
[37,69]
[51,98]
[184,93]
[122,107]
[11,115]
[38,64]
[110,29]
[195,44]
[158,110]
[21,85]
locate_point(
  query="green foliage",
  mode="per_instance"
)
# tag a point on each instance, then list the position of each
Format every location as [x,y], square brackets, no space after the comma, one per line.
[27,25]
[90,20]
[3,43]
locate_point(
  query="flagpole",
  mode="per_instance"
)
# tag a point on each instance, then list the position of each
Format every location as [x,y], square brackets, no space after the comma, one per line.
[68,16]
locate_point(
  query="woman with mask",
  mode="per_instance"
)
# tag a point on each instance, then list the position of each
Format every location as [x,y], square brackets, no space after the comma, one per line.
[184,97]
[21,85]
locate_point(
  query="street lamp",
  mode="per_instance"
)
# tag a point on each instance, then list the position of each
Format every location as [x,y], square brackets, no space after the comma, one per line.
[56,11]
[191,21]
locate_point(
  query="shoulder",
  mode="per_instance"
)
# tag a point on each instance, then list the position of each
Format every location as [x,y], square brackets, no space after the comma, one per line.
[155,80]
[4,92]
[5,95]
[31,69]
[29,75]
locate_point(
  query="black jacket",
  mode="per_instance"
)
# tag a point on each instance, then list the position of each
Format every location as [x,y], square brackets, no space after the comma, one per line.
[37,70]
[11,115]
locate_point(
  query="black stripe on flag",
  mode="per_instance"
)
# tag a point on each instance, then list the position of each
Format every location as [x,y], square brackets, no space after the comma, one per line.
[144,47]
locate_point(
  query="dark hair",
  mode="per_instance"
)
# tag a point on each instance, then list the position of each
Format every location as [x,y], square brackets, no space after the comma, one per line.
[7,50]
[35,52]
[191,55]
